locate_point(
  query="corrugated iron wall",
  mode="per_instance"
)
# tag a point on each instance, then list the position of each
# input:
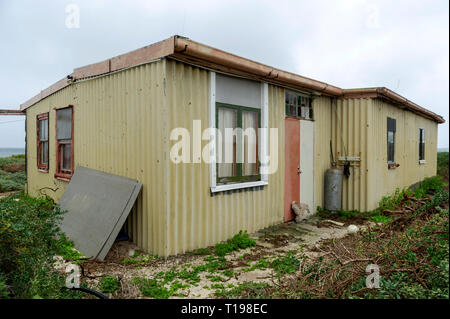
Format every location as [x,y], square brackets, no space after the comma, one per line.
[322,119]
[359,130]
[119,128]
[195,217]
[349,135]
[122,124]
[384,181]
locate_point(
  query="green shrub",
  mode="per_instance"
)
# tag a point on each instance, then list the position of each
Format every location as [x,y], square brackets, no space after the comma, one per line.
[433,184]
[156,289]
[20,159]
[238,241]
[393,201]
[442,163]
[286,264]
[28,228]
[66,249]
[12,181]
[109,284]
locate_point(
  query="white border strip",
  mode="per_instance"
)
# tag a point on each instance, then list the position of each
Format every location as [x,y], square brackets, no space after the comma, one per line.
[227,187]
[212,124]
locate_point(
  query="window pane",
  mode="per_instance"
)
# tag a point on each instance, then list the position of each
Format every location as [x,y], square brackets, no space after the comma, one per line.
[64,123]
[390,146]
[390,137]
[226,145]
[46,129]
[67,156]
[43,130]
[298,106]
[44,153]
[250,137]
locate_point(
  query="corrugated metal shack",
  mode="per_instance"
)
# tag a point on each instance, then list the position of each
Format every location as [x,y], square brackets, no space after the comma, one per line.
[120,114]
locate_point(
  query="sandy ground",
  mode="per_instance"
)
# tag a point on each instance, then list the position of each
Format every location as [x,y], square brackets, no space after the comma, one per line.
[298,239]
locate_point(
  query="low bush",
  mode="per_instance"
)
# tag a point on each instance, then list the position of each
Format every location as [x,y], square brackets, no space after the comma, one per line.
[109,284]
[431,184]
[28,232]
[286,264]
[442,164]
[12,181]
[238,241]
[14,159]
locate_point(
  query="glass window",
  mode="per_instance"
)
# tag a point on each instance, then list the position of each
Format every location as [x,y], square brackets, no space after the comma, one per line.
[421,144]
[391,128]
[237,143]
[227,118]
[64,149]
[64,118]
[298,106]
[42,147]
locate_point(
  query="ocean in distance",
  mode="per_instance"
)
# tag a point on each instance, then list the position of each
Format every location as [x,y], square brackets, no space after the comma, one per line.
[5,152]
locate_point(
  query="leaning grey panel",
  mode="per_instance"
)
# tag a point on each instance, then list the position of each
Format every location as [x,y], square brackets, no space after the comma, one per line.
[97,205]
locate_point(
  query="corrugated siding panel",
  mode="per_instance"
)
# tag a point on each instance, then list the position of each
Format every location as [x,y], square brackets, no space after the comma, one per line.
[349,135]
[322,119]
[119,128]
[195,218]
[384,181]
[122,124]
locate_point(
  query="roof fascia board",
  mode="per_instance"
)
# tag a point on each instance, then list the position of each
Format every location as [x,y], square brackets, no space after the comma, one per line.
[394,98]
[192,52]
[200,52]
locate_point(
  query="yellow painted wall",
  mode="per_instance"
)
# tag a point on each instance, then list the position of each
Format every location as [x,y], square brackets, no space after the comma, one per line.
[384,181]
[122,124]
[349,135]
[357,127]
[195,217]
[119,128]
[322,130]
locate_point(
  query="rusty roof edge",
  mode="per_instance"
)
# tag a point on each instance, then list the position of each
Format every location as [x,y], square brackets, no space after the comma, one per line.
[189,48]
[395,98]
[136,57]
[11,112]
[177,46]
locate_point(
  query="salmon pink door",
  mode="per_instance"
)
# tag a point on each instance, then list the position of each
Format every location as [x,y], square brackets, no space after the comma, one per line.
[291,166]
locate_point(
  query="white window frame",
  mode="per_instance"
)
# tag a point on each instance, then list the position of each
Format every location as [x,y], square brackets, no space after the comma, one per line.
[263,148]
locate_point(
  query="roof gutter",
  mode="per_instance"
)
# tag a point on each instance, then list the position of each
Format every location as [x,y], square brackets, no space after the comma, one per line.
[192,52]
[390,95]
[11,112]
[201,52]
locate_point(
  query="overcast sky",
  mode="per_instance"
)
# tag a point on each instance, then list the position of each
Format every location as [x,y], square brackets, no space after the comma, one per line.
[403,45]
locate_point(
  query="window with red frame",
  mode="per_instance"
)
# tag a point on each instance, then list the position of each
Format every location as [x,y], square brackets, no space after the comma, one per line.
[42,141]
[64,143]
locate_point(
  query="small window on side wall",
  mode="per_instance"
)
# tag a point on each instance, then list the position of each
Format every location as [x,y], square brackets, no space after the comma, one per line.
[42,141]
[64,143]
[391,128]
[421,144]
[299,106]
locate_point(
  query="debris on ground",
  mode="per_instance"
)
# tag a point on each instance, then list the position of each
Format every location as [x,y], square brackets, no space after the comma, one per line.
[317,258]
